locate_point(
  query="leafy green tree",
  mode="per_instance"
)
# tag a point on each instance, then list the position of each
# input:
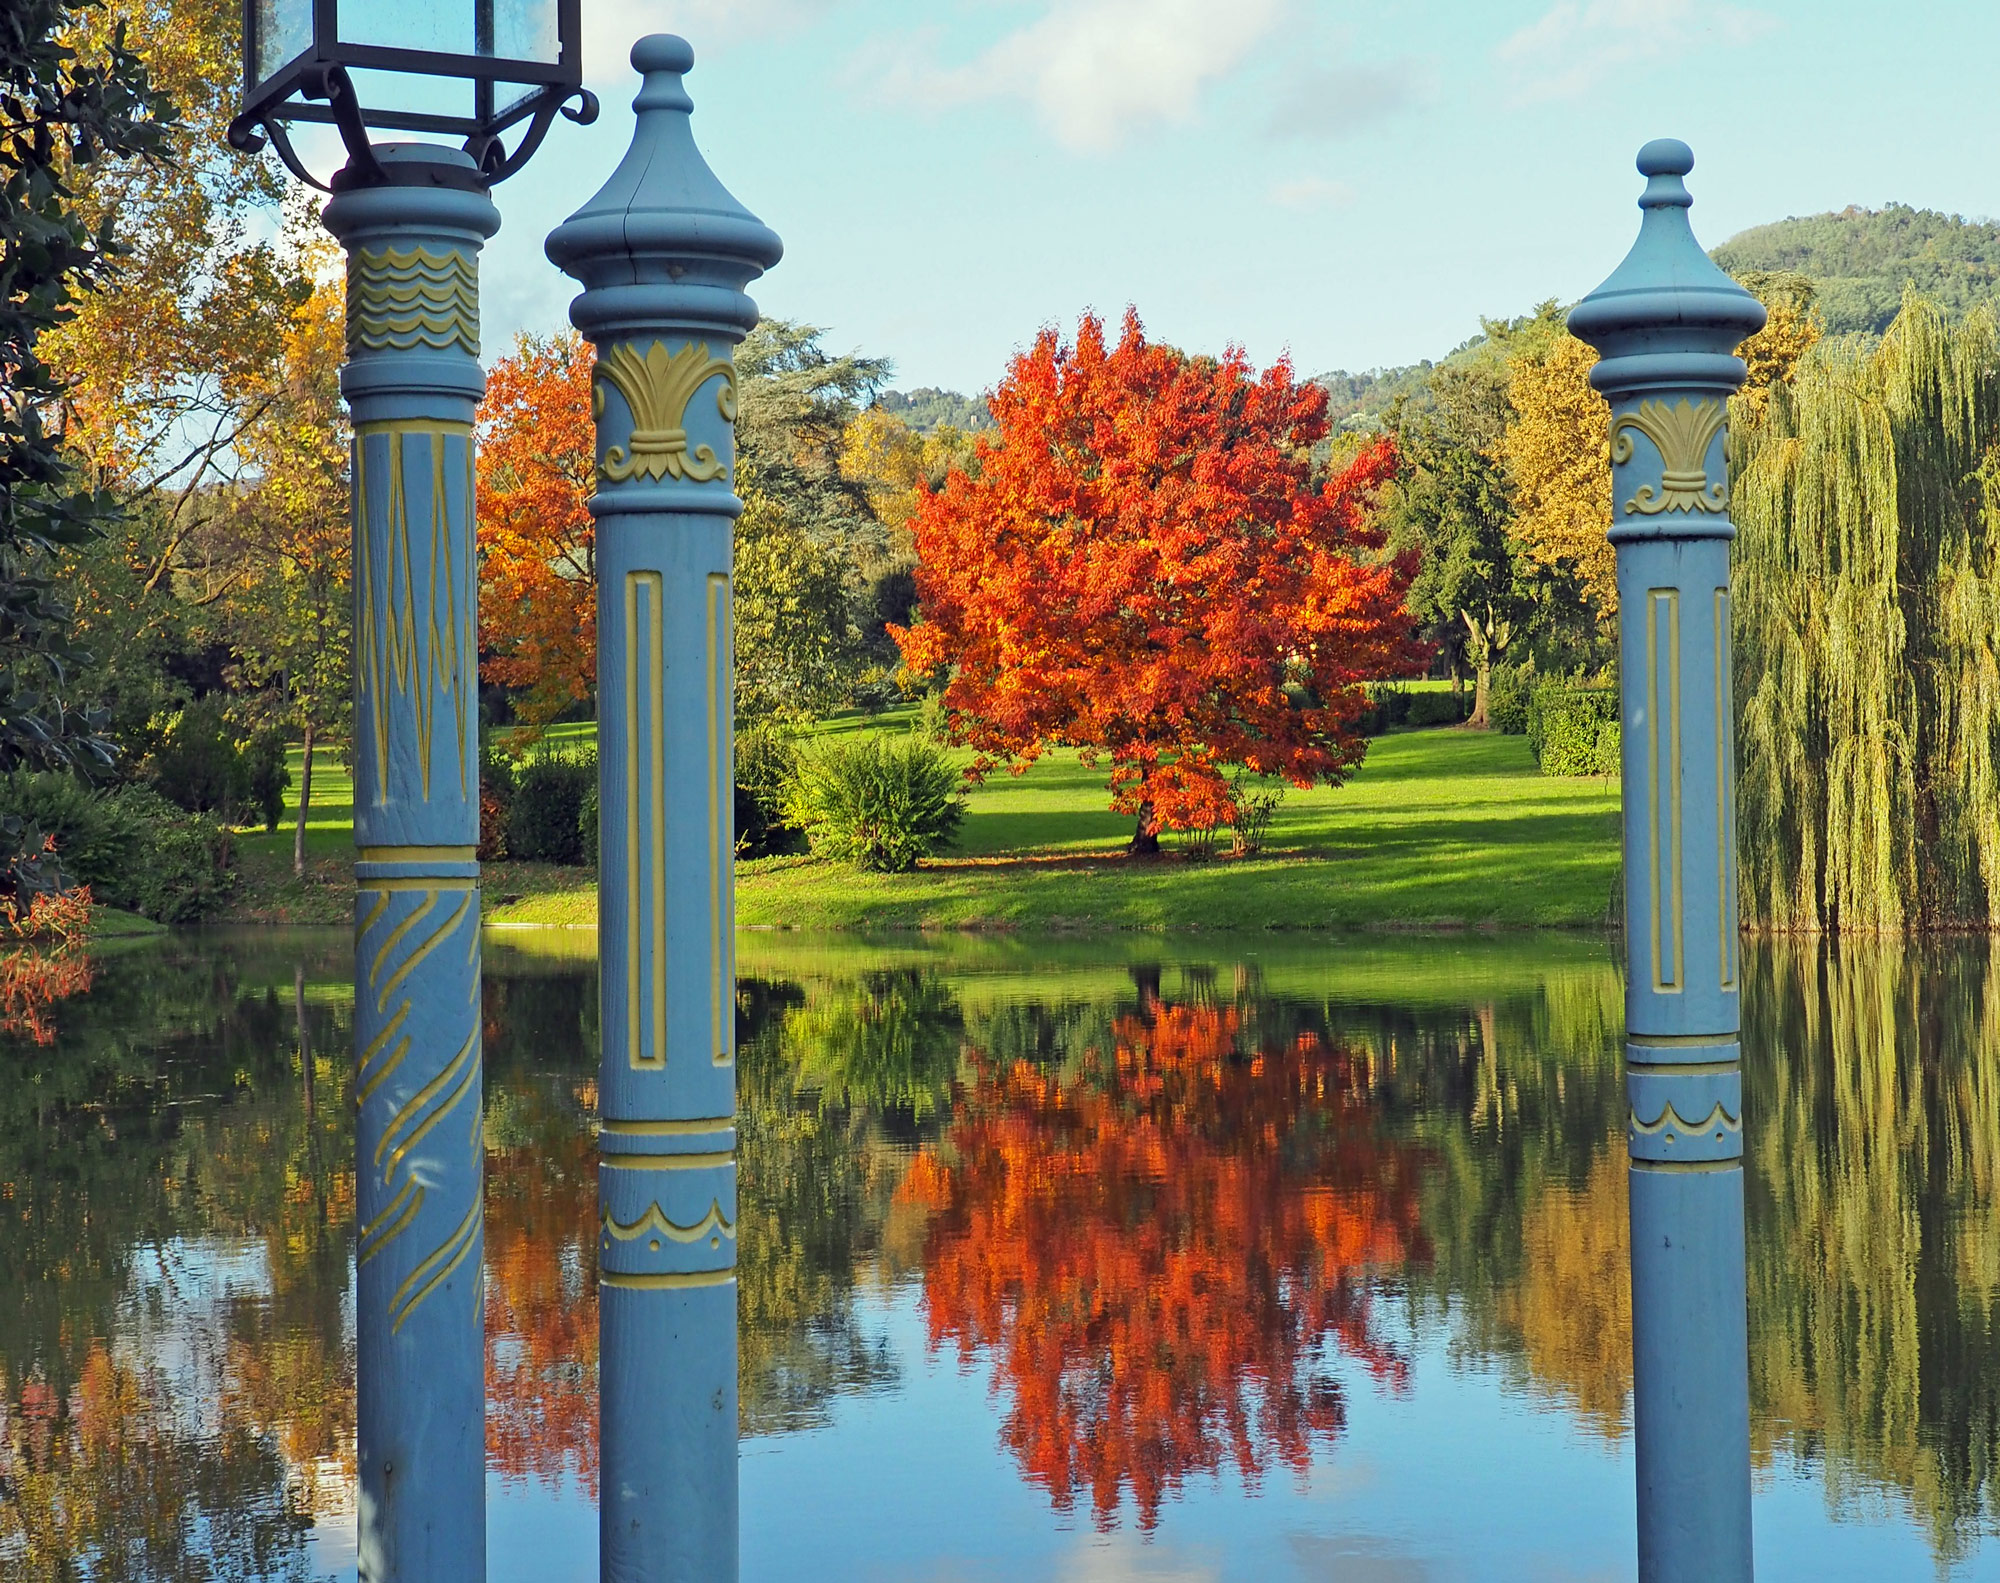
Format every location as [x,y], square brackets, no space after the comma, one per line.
[811,544]
[1451,504]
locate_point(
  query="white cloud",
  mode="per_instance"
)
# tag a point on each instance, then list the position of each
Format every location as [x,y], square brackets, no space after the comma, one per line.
[1311,192]
[1577,45]
[1320,100]
[1092,70]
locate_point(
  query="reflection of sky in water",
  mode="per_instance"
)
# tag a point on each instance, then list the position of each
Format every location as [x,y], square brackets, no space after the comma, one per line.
[1464,1479]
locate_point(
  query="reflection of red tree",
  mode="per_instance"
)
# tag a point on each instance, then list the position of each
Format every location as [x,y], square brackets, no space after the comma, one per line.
[1158,1250]
[52,966]
[541,1309]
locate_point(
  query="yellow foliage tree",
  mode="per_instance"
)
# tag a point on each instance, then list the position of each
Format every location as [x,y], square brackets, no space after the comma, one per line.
[1557,452]
[1557,449]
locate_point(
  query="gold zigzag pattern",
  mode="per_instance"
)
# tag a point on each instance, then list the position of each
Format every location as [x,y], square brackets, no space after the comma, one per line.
[399,299]
[393,659]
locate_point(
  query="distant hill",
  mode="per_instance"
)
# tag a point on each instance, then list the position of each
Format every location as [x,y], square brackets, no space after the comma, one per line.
[1860,259]
[925,408]
[1357,401]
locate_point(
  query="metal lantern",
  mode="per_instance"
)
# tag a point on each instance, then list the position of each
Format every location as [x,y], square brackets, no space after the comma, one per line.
[471,69]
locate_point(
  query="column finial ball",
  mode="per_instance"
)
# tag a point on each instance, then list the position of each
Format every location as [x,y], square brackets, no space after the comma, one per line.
[1664,156]
[662,52]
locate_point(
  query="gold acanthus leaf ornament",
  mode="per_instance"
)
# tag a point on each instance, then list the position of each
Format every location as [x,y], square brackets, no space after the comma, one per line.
[1682,433]
[657,388]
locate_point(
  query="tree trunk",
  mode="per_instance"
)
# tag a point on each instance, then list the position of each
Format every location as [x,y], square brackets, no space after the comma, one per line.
[305,805]
[305,1038]
[1145,840]
[1482,684]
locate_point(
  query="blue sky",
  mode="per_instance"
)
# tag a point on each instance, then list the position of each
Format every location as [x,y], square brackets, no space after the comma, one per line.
[1355,183]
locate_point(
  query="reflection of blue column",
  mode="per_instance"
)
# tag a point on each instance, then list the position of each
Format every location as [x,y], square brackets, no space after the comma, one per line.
[412,380]
[664,254]
[1668,322]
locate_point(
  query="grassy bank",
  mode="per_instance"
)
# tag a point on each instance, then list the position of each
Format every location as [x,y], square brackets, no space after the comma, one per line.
[1439,829]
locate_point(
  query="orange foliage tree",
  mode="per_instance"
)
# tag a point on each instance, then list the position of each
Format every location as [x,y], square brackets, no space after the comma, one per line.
[1148,565]
[541,1309]
[538,545]
[1157,1248]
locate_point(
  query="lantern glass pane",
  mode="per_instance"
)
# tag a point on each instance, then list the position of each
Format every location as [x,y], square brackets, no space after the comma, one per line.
[284,31]
[413,93]
[441,25]
[500,29]
[526,30]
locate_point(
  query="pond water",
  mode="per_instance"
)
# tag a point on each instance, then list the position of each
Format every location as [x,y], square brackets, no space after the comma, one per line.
[1135,1259]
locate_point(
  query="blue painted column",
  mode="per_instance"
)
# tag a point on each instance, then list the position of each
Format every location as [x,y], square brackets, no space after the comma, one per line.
[664,253]
[412,380]
[1667,323]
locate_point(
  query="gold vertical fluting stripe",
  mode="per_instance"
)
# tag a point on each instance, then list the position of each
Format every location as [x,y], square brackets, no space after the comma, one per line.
[390,653]
[720,863]
[645,823]
[1725,796]
[1663,607]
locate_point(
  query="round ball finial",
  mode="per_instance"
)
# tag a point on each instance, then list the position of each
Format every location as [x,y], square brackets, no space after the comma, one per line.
[1664,156]
[663,52]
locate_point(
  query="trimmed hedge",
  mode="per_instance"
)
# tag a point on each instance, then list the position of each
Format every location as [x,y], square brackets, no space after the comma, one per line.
[546,814]
[1574,730]
[1509,694]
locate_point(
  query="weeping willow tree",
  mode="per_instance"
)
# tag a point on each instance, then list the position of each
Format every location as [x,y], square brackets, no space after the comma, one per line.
[1867,593]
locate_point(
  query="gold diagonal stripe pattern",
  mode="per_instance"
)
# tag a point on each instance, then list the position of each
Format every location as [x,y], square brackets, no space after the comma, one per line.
[460,1074]
[430,944]
[370,1244]
[434,1269]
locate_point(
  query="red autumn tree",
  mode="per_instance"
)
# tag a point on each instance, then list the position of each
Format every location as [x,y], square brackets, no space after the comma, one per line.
[1149,566]
[1157,1248]
[538,545]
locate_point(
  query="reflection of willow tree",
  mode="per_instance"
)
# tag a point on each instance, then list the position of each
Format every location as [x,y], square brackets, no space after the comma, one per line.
[1874,1110]
[1160,1247]
[830,1082]
[164,1123]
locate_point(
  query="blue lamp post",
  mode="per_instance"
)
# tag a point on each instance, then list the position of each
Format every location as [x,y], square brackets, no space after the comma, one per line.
[664,254]
[1668,323]
[412,217]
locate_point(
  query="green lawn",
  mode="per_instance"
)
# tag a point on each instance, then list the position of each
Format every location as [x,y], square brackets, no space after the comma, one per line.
[1440,828]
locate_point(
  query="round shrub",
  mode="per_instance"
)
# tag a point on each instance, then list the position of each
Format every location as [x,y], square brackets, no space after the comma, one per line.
[198,764]
[879,802]
[545,816]
[266,775]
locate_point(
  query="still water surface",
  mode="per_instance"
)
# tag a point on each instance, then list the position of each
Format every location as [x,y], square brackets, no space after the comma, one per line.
[1110,1261]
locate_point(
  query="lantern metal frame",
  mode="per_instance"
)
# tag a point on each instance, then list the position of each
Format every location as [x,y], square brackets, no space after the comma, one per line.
[315,85]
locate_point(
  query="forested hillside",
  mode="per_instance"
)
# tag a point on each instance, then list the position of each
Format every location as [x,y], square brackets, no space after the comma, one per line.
[926,407]
[1861,260]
